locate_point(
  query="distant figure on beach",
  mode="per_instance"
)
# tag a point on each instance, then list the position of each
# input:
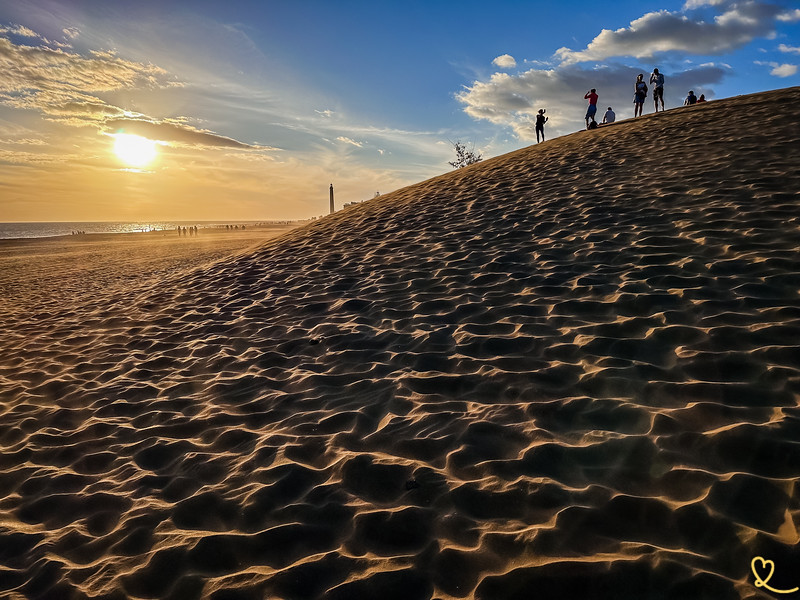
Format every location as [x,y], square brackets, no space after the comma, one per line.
[639,94]
[657,81]
[592,124]
[609,117]
[702,98]
[540,121]
[690,99]
[591,110]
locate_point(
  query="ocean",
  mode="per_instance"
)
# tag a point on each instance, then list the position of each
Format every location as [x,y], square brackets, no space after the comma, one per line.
[40,230]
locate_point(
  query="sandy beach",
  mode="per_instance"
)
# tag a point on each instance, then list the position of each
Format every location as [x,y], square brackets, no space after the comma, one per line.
[571,371]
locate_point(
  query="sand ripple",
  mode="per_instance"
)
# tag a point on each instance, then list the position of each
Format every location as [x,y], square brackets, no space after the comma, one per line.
[568,372]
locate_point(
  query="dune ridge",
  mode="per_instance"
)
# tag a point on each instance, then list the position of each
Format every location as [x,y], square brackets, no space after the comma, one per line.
[569,371]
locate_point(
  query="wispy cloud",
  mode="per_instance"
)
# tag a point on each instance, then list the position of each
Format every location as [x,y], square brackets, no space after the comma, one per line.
[789,49]
[68,88]
[36,77]
[175,133]
[350,141]
[690,4]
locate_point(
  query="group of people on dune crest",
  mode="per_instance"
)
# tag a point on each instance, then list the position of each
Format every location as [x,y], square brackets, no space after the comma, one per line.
[640,90]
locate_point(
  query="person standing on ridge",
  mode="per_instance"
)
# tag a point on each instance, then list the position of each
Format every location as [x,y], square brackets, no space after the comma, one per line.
[540,121]
[657,81]
[639,94]
[591,110]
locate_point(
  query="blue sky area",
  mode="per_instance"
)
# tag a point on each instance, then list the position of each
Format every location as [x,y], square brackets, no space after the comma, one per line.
[257,106]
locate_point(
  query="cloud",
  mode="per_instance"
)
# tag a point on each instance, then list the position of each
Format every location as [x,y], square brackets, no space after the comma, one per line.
[352,142]
[790,16]
[789,49]
[19,30]
[175,134]
[31,71]
[512,101]
[66,87]
[690,4]
[505,61]
[779,70]
[666,31]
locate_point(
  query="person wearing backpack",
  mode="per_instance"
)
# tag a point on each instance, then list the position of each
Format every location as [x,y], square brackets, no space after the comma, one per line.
[639,94]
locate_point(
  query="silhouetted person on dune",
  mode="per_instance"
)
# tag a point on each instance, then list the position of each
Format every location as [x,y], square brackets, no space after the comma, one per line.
[657,81]
[639,95]
[540,121]
[591,110]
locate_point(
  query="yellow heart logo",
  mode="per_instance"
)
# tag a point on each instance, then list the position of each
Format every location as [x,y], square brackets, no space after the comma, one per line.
[765,564]
[764,581]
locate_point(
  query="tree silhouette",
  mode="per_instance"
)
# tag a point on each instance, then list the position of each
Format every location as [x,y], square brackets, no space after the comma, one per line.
[464,157]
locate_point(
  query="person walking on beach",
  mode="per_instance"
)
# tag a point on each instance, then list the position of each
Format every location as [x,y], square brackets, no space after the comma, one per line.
[639,94]
[690,99]
[657,81]
[609,117]
[540,121]
[591,110]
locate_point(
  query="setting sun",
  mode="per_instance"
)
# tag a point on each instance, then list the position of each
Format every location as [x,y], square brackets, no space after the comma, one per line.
[134,150]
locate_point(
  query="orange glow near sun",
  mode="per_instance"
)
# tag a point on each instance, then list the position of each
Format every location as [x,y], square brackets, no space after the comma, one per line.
[134,150]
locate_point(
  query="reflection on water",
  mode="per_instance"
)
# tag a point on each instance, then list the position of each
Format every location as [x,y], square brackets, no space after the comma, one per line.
[37,230]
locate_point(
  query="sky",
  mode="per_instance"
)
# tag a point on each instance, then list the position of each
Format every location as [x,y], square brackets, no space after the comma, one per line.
[250,109]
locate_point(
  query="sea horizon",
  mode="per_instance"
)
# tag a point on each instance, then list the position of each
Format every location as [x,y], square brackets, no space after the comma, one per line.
[43,229]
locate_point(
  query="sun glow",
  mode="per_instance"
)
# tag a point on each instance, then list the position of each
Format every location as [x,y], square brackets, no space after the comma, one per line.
[134,150]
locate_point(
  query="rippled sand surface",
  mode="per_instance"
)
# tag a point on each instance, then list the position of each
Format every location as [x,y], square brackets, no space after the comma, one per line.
[571,371]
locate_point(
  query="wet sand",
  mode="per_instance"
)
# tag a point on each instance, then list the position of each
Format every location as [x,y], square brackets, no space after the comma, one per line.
[571,371]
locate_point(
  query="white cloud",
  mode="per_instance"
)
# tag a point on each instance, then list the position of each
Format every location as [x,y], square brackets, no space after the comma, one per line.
[665,31]
[789,49]
[513,101]
[790,16]
[505,61]
[690,4]
[784,70]
[19,30]
[350,141]
[779,70]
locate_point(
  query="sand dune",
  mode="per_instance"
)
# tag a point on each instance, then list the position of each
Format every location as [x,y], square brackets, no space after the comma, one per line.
[571,371]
